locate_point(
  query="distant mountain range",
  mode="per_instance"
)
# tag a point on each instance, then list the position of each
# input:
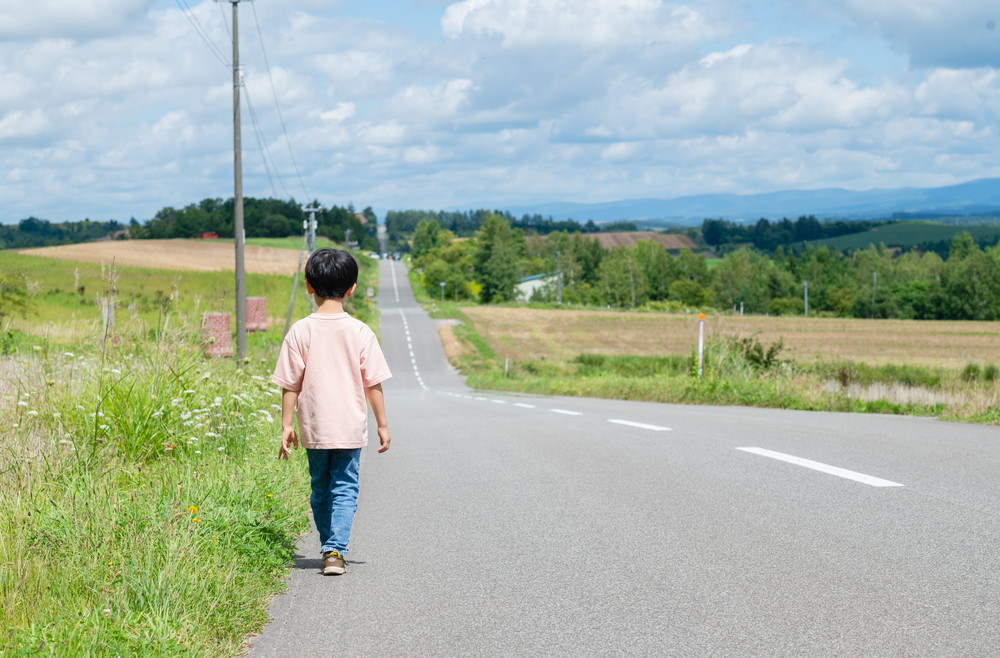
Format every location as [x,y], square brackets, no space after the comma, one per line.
[978,197]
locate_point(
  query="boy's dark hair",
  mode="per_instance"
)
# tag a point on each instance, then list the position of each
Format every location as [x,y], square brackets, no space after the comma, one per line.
[331,272]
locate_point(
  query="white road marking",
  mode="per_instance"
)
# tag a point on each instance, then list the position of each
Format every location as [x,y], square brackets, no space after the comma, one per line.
[655,428]
[823,468]
[524,406]
[392,268]
[481,399]
[568,413]
[498,401]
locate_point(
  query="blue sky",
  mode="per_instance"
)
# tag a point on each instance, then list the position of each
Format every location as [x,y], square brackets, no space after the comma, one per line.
[117,108]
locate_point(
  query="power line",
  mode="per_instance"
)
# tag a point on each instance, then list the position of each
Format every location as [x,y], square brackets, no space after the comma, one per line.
[277,105]
[189,13]
[265,154]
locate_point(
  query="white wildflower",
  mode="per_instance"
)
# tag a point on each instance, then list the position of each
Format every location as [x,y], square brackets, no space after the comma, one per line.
[70,354]
[190,391]
[185,415]
[116,371]
[32,413]
[220,448]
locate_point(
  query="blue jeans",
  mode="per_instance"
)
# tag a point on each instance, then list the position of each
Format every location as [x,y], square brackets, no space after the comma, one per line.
[334,496]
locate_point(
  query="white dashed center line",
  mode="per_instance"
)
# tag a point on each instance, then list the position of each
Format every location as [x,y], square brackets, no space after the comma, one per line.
[568,413]
[823,468]
[524,406]
[655,428]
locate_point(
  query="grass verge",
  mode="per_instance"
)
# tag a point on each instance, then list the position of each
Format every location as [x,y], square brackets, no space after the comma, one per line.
[143,510]
[737,370]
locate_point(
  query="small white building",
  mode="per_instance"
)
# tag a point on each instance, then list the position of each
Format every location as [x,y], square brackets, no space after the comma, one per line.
[529,284]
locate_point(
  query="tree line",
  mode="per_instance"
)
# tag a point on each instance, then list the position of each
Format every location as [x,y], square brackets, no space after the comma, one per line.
[35,232]
[401,224]
[768,236]
[263,218]
[874,282]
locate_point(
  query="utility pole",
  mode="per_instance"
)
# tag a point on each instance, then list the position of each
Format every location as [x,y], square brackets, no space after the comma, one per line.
[311,226]
[805,294]
[239,234]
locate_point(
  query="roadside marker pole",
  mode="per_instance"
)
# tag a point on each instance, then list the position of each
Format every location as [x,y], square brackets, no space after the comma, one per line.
[701,341]
[506,365]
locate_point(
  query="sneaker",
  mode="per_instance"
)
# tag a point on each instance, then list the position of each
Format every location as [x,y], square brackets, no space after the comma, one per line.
[333,564]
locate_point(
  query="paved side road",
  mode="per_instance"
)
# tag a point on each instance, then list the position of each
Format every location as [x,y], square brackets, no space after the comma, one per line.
[517,525]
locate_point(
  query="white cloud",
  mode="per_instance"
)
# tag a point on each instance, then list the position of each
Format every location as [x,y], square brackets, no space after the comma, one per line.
[511,100]
[933,33]
[22,19]
[583,23]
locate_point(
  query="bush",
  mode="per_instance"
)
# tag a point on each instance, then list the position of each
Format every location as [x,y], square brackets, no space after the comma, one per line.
[970,373]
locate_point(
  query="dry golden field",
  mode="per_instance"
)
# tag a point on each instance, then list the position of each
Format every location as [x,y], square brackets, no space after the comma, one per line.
[527,334]
[191,255]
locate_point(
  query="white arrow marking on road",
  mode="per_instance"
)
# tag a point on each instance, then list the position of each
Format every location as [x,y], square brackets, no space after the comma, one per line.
[823,468]
[655,428]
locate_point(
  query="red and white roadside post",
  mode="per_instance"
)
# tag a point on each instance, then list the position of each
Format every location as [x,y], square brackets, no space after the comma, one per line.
[701,341]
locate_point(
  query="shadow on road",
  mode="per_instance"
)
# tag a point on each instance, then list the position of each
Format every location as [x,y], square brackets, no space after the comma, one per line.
[306,563]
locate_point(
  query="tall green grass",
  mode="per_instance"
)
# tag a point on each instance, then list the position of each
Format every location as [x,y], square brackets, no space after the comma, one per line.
[142,508]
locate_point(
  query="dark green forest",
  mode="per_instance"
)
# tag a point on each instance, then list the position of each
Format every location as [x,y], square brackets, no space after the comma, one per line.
[34,232]
[400,224]
[263,218]
[873,282]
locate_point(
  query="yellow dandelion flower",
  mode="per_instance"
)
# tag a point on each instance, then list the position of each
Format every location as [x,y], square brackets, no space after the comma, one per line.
[268,495]
[196,520]
[193,509]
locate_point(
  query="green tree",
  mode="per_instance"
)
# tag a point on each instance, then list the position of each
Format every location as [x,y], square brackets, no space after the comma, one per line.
[741,278]
[426,237]
[498,250]
[622,280]
[658,268]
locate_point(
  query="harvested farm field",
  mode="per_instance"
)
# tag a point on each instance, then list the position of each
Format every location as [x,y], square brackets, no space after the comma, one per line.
[531,334]
[190,255]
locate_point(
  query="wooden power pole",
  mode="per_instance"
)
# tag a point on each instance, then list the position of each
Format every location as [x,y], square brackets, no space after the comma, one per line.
[239,234]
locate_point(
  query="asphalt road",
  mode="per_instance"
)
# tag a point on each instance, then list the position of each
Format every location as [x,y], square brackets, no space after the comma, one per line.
[502,525]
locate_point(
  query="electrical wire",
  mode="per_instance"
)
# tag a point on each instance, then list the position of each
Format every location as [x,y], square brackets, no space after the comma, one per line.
[277,105]
[265,154]
[189,13]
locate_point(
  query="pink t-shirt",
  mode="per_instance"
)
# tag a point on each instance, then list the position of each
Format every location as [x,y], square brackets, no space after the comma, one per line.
[330,359]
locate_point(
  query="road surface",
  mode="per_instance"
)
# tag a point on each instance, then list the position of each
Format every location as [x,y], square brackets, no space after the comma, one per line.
[512,525]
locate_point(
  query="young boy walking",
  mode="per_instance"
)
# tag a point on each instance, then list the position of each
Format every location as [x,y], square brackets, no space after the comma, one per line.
[328,364]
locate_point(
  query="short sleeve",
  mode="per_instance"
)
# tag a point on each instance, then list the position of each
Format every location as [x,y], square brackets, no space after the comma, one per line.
[374,368]
[289,369]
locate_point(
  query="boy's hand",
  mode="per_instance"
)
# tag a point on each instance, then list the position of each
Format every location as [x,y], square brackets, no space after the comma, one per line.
[288,441]
[383,439]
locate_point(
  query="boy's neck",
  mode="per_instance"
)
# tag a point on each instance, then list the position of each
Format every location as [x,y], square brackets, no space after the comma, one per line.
[329,304]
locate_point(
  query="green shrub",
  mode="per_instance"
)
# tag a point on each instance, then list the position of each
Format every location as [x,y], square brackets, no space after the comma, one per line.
[970,372]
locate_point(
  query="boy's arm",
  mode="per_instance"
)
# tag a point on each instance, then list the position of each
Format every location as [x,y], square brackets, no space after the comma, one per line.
[288,438]
[377,400]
